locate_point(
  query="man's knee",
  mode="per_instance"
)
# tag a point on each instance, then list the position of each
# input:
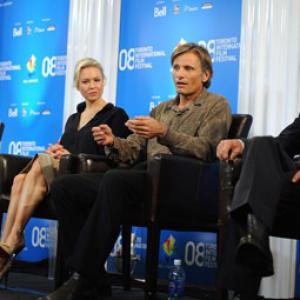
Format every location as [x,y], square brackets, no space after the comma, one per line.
[262,140]
[113,178]
[262,144]
[58,187]
[58,183]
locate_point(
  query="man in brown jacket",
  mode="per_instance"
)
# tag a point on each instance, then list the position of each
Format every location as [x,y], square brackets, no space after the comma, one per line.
[90,207]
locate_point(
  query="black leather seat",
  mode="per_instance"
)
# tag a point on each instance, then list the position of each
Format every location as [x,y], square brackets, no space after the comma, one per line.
[166,208]
[2,126]
[170,177]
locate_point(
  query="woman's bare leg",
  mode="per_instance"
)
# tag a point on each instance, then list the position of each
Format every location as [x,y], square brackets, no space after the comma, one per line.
[34,189]
[13,205]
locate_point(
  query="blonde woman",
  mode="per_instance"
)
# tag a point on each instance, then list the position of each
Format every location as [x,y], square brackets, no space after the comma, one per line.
[32,184]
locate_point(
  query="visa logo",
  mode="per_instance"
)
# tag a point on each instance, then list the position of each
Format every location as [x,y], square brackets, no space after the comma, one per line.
[160,12]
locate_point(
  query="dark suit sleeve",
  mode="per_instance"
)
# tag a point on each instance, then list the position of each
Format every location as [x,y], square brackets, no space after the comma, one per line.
[117,123]
[289,138]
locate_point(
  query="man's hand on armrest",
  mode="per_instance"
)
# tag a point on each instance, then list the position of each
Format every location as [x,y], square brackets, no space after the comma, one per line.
[230,149]
[296,177]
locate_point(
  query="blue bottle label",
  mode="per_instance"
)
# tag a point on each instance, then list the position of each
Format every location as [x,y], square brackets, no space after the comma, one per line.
[176,288]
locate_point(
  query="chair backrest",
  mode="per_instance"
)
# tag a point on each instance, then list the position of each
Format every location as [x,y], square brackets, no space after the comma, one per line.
[240,126]
[1,133]
[1,129]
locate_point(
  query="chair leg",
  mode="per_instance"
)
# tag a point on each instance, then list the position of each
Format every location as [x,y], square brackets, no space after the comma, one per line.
[1,217]
[152,257]
[227,181]
[60,270]
[221,293]
[126,256]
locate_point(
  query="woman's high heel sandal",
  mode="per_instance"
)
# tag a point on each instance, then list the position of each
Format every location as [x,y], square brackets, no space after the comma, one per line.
[6,259]
[5,263]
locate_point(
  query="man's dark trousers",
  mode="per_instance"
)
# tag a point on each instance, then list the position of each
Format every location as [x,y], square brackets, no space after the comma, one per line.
[90,210]
[264,189]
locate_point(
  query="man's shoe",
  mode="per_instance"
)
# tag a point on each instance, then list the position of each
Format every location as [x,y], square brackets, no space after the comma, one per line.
[253,249]
[104,290]
[237,296]
[76,288]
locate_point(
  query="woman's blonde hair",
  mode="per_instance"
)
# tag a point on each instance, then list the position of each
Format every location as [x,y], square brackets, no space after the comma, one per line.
[85,63]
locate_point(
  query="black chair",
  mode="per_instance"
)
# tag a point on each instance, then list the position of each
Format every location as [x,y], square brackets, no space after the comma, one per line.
[284,225]
[164,208]
[173,177]
[164,188]
[10,166]
[1,129]
[2,126]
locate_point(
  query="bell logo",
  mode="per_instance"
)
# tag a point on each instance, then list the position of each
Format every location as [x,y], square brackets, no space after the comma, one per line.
[160,12]
[12,112]
[17,31]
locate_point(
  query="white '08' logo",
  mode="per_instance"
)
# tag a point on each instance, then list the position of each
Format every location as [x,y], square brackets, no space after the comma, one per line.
[126,59]
[15,148]
[48,66]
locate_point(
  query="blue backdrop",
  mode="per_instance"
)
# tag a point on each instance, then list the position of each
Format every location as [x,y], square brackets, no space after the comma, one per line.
[150,30]
[33,37]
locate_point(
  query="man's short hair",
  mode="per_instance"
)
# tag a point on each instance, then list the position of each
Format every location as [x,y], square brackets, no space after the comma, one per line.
[201,53]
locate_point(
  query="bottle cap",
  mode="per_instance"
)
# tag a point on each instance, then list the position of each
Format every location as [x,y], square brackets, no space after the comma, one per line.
[177,262]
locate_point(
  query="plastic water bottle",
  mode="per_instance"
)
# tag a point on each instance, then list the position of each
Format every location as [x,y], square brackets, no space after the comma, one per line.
[176,281]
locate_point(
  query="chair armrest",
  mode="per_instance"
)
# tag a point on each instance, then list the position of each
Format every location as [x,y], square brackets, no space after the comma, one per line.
[229,175]
[89,163]
[174,178]
[296,160]
[84,163]
[68,164]
[10,166]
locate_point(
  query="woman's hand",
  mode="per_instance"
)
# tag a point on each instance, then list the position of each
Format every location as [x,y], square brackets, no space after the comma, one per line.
[103,135]
[147,127]
[57,150]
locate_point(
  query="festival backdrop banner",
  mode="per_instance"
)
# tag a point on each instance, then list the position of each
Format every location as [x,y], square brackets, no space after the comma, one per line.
[33,37]
[33,45]
[149,32]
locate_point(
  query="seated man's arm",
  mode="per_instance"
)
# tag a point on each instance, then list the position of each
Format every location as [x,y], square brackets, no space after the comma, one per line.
[202,144]
[119,149]
[289,138]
